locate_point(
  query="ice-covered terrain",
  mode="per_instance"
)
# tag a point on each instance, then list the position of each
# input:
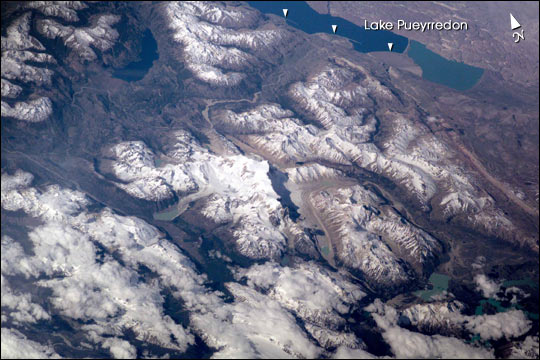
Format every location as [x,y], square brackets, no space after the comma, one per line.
[76,252]
[35,110]
[237,189]
[318,296]
[19,47]
[340,98]
[374,240]
[408,344]
[325,94]
[67,10]
[26,60]
[259,192]
[215,40]
[312,172]
[447,318]
[100,35]
[273,131]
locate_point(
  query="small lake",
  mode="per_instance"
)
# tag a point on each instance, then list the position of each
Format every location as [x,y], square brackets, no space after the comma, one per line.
[522,282]
[439,283]
[500,307]
[168,214]
[137,70]
[325,250]
[435,68]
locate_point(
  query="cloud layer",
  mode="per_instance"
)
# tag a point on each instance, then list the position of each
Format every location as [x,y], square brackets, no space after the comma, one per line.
[89,263]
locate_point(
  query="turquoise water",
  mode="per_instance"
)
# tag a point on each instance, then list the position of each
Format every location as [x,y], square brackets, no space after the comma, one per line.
[435,68]
[527,281]
[168,214]
[497,305]
[440,284]
[325,250]
[479,310]
[499,308]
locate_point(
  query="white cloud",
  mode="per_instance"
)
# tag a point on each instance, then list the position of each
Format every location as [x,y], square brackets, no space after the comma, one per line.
[320,297]
[86,285]
[110,292]
[107,292]
[14,260]
[120,349]
[19,307]
[479,262]
[486,286]
[408,344]
[216,254]
[254,326]
[526,349]
[311,291]
[51,204]
[515,294]
[20,179]
[329,338]
[16,346]
[235,329]
[448,316]
[344,352]
[508,324]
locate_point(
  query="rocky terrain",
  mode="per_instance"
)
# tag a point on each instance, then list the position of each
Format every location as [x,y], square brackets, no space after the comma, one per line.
[488,43]
[257,192]
[501,131]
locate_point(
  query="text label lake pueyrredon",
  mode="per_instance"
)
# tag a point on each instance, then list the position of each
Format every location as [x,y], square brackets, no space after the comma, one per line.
[422,26]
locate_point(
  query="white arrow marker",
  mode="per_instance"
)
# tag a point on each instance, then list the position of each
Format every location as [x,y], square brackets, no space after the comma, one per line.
[285,12]
[390,46]
[514,23]
[334,28]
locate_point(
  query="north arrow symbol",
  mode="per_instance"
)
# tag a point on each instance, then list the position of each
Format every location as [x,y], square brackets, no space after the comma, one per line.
[514,24]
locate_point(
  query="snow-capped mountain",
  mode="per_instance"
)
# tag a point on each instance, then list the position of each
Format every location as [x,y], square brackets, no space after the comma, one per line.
[213,179]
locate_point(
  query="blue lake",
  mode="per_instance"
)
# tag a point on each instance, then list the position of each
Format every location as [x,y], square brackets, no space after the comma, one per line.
[434,67]
[137,70]
[303,17]
[437,69]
